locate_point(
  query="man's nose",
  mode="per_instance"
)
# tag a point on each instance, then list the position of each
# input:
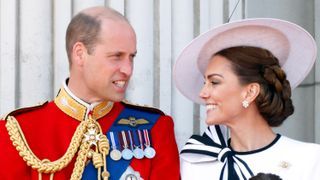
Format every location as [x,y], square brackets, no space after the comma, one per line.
[127,67]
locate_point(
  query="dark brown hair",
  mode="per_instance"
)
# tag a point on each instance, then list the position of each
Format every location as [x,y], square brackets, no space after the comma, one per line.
[257,65]
[263,176]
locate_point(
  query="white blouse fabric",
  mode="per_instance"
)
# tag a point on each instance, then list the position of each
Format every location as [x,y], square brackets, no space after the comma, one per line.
[285,157]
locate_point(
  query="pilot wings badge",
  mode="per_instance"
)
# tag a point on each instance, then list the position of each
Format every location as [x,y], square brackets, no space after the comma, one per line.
[132,121]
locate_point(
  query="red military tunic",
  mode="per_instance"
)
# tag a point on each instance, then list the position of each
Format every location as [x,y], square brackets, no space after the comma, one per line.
[49,128]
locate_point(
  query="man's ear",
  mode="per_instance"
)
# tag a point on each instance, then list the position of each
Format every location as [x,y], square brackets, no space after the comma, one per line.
[79,53]
[252,91]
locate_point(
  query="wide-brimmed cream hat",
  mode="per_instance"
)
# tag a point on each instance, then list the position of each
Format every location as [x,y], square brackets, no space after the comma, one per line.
[292,45]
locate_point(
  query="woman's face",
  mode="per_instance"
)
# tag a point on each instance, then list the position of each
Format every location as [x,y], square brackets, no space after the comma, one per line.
[222,92]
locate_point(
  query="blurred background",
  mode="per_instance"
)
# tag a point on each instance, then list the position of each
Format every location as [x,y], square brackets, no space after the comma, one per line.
[33,61]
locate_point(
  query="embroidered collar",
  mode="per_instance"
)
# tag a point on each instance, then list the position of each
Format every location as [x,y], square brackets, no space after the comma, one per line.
[78,109]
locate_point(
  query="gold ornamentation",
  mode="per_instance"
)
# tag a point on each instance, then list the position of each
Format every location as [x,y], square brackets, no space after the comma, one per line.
[70,106]
[78,110]
[132,121]
[89,127]
[19,141]
[102,149]
[92,137]
[105,175]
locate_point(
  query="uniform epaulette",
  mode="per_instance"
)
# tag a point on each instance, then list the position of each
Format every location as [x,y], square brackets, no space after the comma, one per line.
[142,107]
[24,109]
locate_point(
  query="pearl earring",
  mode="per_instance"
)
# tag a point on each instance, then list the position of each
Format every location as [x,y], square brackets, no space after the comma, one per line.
[245,104]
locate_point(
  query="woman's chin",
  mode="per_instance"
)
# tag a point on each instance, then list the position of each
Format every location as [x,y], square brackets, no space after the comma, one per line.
[211,121]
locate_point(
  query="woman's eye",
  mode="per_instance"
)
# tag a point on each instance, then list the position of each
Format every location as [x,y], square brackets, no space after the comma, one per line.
[214,82]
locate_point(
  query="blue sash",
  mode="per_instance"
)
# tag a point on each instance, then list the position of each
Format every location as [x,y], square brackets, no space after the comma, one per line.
[117,168]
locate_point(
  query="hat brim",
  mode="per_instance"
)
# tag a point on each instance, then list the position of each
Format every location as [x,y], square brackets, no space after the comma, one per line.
[292,45]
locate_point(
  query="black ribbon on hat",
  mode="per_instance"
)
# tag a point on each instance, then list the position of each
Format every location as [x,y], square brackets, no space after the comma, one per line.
[213,144]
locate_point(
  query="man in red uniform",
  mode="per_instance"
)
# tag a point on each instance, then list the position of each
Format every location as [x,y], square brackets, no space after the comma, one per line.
[88,132]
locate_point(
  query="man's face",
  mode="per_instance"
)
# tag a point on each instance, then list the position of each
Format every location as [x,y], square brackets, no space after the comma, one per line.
[107,70]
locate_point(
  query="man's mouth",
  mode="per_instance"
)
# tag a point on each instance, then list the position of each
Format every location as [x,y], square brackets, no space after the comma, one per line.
[120,84]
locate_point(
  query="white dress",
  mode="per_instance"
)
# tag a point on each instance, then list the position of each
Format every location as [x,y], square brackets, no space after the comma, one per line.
[285,157]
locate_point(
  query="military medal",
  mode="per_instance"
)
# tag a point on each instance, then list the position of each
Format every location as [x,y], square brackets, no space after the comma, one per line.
[149,152]
[115,154]
[127,154]
[137,152]
[131,177]
[131,174]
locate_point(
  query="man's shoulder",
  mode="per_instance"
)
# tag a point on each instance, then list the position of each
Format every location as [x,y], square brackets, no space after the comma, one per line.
[144,108]
[24,110]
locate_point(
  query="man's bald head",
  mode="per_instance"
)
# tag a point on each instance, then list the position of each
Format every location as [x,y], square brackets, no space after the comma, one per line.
[100,12]
[85,27]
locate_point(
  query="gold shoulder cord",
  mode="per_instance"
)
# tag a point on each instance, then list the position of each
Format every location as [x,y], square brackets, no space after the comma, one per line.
[87,134]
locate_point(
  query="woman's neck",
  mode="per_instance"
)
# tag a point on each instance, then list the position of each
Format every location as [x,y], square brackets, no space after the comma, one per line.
[251,134]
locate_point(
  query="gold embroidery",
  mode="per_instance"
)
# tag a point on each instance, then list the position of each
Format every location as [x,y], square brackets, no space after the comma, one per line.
[77,110]
[102,109]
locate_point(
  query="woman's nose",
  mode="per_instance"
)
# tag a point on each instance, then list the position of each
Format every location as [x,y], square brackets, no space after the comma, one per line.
[204,93]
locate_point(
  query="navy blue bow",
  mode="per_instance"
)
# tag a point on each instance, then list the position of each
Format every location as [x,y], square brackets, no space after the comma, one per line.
[213,144]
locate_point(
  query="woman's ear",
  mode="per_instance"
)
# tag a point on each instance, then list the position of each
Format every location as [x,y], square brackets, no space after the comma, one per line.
[252,92]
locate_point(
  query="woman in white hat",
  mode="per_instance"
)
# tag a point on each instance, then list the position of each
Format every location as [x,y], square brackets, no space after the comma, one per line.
[244,72]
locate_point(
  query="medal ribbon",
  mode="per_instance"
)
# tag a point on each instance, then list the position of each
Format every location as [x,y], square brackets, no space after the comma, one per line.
[117,168]
[113,142]
[124,138]
[146,137]
[135,138]
[130,138]
[140,138]
[121,141]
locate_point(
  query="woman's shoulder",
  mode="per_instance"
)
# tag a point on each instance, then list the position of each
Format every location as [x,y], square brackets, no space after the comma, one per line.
[297,145]
[292,141]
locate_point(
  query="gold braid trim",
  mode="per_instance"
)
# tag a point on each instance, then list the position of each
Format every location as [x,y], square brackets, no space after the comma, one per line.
[81,160]
[102,147]
[43,166]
